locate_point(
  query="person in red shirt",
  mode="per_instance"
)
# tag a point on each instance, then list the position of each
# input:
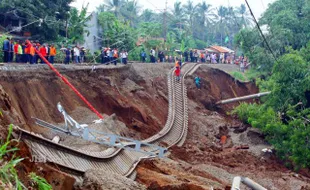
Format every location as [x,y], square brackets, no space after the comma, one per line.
[43,53]
[177,71]
[16,51]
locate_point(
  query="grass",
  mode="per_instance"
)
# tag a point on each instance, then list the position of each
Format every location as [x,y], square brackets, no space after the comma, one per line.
[40,182]
[238,75]
[8,174]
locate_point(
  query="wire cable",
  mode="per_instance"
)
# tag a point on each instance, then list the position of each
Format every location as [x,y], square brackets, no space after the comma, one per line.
[261,32]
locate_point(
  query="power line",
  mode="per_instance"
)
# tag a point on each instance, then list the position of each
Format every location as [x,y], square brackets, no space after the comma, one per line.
[261,32]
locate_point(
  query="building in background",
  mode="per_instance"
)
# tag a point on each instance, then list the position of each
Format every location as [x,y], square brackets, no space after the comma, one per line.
[92,40]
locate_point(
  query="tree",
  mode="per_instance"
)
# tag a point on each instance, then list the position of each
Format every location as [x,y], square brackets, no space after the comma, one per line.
[114,6]
[52,12]
[244,15]
[147,16]
[206,18]
[77,25]
[129,11]
[284,116]
[111,25]
[190,11]
[222,13]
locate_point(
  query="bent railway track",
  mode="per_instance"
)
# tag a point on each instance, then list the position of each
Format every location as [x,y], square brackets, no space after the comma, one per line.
[121,161]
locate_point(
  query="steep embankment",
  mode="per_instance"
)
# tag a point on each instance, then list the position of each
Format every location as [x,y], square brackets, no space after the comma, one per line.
[137,94]
[138,102]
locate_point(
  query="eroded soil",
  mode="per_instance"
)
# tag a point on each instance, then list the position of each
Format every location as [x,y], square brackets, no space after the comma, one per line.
[137,96]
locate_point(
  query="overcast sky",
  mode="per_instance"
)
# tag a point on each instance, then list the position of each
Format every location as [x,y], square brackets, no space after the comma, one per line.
[258,6]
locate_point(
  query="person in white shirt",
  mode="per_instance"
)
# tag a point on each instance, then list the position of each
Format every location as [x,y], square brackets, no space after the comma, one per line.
[76,54]
[242,66]
[124,56]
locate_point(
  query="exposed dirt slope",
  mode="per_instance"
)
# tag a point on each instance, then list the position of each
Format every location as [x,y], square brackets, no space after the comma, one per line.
[137,94]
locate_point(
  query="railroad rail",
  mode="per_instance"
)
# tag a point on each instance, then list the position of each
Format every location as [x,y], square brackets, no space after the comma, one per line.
[118,160]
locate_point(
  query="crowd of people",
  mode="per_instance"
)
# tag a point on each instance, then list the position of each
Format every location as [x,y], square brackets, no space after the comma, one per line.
[194,56]
[109,55]
[27,52]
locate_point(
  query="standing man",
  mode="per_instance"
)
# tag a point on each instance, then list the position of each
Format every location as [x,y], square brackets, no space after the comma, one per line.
[16,51]
[19,53]
[82,55]
[115,56]
[76,54]
[31,53]
[11,50]
[124,56]
[47,51]
[191,55]
[153,54]
[6,48]
[161,56]
[67,58]
[110,54]
[52,54]
[242,66]
[43,53]
[143,56]
[186,55]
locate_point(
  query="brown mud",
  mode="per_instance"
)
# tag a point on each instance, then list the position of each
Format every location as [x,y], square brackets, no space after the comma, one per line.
[137,95]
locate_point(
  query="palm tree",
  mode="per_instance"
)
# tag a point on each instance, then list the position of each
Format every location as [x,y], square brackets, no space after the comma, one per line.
[222,13]
[179,19]
[114,6]
[206,17]
[147,16]
[129,11]
[190,11]
[244,15]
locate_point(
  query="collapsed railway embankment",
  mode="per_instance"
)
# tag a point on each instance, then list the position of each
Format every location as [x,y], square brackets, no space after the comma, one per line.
[138,96]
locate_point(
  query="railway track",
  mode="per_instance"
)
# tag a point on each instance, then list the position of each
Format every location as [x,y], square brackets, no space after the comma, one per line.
[116,160]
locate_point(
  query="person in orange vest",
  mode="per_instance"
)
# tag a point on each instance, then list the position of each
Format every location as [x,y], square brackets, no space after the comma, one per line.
[177,70]
[43,52]
[52,54]
[202,57]
[31,53]
[115,56]
[27,52]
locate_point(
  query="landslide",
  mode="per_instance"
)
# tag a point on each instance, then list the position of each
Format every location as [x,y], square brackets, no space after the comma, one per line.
[204,162]
[138,97]
[135,97]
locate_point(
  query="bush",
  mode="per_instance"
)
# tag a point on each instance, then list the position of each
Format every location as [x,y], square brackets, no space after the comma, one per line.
[237,75]
[60,57]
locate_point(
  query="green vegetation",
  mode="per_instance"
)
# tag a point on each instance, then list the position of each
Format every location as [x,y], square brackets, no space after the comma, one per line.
[40,182]
[283,116]
[238,75]
[8,173]
[8,161]
[54,13]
